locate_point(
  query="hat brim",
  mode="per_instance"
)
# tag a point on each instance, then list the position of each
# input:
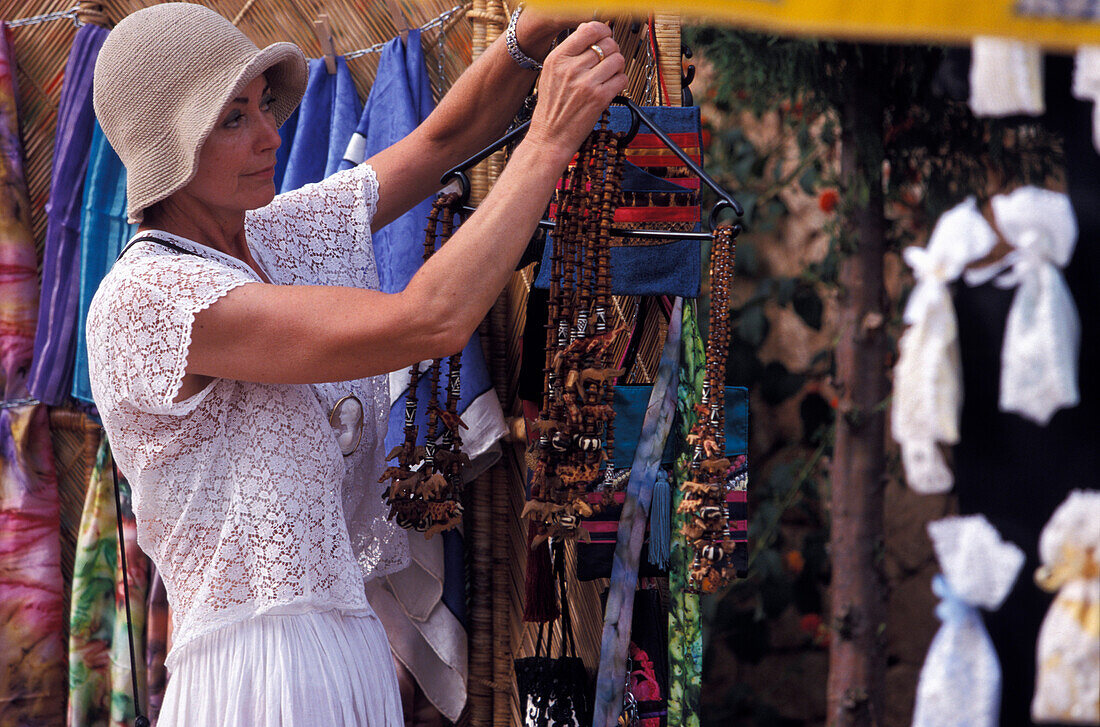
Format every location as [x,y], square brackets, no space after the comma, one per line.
[287,74]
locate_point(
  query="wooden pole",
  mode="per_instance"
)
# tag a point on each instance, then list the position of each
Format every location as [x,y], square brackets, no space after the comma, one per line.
[857,660]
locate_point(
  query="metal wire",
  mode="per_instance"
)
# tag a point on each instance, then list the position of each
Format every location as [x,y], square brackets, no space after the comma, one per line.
[36,19]
[433,23]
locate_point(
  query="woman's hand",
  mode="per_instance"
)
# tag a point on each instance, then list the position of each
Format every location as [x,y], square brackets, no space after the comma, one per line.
[575,88]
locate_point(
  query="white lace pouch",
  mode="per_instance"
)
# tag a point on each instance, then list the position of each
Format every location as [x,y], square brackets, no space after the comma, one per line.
[927,377]
[960,682]
[1086,84]
[1043,332]
[1006,77]
[1067,685]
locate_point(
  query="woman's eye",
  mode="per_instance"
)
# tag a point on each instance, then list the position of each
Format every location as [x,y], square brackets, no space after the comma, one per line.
[266,101]
[232,119]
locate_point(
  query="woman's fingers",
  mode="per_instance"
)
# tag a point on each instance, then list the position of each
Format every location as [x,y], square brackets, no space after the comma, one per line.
[586,34]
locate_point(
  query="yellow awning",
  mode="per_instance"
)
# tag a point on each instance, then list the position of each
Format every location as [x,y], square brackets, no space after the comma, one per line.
[1056,24]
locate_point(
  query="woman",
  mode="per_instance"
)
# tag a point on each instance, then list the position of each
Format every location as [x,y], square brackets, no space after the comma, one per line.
[229,331]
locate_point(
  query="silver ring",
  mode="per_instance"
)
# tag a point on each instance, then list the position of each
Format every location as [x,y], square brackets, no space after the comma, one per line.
[598,51]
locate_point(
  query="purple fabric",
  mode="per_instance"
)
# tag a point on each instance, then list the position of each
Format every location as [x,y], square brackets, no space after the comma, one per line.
[51,373]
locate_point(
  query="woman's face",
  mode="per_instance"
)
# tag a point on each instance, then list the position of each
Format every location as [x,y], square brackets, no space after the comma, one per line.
[237,163]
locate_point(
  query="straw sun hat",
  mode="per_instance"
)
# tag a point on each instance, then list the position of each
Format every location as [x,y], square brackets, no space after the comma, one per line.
[162,78]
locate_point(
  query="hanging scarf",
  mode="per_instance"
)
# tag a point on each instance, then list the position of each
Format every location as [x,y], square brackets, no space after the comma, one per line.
[321,126]
[99,657]
[103,233]
[1067,685]
[685,642]
[19,284]
[51,376]
[960,682]
[1043,332]
[928,375]
[639,493]
[32,683]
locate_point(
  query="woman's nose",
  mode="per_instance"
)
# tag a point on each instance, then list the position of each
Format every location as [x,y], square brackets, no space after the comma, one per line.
[269,138]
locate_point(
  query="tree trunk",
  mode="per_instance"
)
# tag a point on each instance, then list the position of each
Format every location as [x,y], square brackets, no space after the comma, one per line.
[857,661]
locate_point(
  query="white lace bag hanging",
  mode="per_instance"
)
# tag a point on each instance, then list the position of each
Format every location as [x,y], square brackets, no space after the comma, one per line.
[960,682]
[927,377]
[1067,685]
[1043,332]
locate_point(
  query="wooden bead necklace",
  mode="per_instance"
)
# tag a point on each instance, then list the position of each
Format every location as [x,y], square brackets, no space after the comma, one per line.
[575,425]
[704,503]
[426,483]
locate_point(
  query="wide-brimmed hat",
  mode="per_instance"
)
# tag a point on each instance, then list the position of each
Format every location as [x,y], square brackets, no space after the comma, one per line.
[162,78]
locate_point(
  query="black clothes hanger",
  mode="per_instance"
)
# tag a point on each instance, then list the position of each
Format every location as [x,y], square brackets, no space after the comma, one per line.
[637,119]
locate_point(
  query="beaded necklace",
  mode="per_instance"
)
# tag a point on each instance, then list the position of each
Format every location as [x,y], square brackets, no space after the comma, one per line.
[426,483]
[704,502]
[576,419]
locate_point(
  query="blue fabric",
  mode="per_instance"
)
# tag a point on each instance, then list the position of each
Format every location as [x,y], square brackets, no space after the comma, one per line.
[103,233]
[51,373]
[671,268]
[400,99]
[630,405]
[323,125]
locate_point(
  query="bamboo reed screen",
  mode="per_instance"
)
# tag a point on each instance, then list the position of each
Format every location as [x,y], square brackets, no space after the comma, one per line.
[496,545]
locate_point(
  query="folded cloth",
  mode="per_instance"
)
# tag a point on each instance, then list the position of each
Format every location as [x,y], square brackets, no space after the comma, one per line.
[323,124]
[960,682]
[103,232]
[19,284]
[1006,77]
[51,375]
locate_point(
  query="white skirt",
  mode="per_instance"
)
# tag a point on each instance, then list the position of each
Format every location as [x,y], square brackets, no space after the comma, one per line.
[295,670]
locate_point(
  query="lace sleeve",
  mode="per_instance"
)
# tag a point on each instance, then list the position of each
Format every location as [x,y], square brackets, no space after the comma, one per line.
[139,328]
[320,234]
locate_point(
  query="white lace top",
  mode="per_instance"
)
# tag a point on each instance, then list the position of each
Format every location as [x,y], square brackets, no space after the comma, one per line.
[242,497]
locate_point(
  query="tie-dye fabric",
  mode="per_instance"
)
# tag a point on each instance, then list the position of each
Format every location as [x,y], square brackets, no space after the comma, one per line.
[18,274]
[615,640]
[32,649]
[99,659]
[685,642]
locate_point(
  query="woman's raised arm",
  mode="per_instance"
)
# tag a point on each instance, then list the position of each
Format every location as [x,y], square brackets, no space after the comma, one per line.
[303,334]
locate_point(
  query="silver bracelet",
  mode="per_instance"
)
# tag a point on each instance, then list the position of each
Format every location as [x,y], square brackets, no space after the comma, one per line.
[522,59]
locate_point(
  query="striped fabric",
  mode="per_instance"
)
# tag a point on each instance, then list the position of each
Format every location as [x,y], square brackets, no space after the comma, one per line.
[51,375]
[103,232]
